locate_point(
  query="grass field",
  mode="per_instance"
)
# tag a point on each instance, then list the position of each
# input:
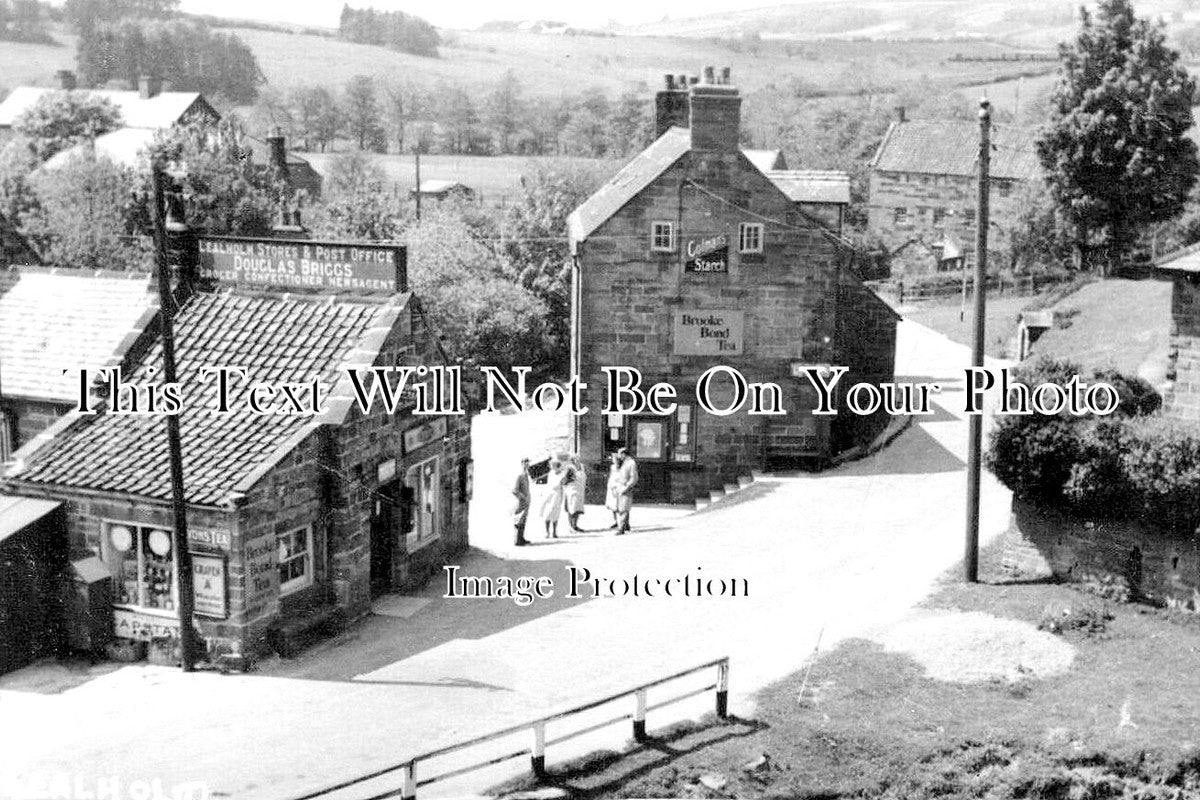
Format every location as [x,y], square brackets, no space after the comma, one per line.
[495,179]
[871,722]
[950,317]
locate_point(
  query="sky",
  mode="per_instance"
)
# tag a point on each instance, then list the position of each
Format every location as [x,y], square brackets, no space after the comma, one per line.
[460,14]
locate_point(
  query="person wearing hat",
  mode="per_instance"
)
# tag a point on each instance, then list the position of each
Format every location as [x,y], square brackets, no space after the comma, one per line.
[621,480]
[521,493]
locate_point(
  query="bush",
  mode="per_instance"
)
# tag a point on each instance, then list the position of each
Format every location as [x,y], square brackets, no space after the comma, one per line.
[1130,464]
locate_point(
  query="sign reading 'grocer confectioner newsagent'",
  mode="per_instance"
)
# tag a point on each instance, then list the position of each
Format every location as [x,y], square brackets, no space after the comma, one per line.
[301,264]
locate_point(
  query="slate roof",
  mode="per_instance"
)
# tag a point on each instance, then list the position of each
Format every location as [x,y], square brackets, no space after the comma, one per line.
[161,111]
[951,147]
[812,186]
[275,338]
[626,184]
[62,319]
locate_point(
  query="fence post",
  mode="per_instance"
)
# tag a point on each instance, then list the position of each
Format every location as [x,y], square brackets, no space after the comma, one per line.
[408,781]
[537,754]
[639,716]
[723,689]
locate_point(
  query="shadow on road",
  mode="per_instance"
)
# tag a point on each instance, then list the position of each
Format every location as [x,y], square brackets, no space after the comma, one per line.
[377,641]
[916,452]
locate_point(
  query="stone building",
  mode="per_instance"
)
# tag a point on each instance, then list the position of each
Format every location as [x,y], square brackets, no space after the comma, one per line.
[1182,399]
[295,520]
[52,323]
[924,187]
[693,256]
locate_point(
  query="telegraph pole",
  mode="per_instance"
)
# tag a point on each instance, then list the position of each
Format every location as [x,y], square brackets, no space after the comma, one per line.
[183,557]
[417,152]
[975,421]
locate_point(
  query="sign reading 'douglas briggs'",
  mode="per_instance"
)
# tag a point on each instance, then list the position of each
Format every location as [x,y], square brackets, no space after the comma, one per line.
[709,332]
[303,264]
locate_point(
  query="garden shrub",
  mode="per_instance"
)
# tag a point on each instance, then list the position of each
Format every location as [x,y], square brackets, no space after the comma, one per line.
[1129,464]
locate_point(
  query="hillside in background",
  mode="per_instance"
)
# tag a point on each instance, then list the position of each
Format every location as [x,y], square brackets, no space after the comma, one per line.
[1029,23]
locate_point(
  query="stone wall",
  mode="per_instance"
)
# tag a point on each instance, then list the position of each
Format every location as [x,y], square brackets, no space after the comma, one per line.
[1183,399]
[1156,564]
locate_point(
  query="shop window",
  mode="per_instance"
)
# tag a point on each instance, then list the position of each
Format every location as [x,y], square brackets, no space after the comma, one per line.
[1005,188]
[295,559]
[142,561]
[662,237]
[900,215]
[750,237]
[939,215]
[421,483]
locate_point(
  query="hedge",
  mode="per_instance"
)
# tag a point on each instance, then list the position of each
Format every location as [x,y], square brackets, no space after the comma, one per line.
[1133,463]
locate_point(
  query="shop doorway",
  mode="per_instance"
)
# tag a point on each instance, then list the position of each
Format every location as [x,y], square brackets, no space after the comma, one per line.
[650,443]
[385,526]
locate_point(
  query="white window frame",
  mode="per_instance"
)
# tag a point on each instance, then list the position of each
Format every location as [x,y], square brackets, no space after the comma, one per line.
[415,538]
[656,229]
[745,229]
[106,526]
[305,580]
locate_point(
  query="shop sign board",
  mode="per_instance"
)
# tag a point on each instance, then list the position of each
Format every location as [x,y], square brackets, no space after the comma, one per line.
[303,264]
[209,537]
[128,624]
[708,332]
[424,434]
[708,256]
[209,579]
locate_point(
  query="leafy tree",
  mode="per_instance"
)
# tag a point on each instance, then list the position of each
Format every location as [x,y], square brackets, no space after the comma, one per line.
[357,205]
[186,53]
[632,126]
[222,189]
[399,107]
[17,164]
[361,108]
[1116,152]
[505,110]
[1038,236]
[480,312]
[60,120]
[535,235]
[24,21]
[86,216]
[316,115]
[394,29]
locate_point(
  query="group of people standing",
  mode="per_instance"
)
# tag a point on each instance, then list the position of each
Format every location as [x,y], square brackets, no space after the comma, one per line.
[565,490]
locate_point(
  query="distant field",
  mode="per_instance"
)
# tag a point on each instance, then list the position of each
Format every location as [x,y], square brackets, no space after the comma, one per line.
[34,64]
[557,65]
[495,179]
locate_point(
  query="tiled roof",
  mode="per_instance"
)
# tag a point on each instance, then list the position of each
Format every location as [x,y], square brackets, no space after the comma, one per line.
[812,186]
[161,111]
[64,319]
[275,338]
[128,146]
[626,184]
[948,147]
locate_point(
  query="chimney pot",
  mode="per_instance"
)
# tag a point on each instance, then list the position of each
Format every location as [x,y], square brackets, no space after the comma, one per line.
[709,73]
[901,114]
[66,79]
[725,72]
[669,82]
[695,79]
[681,82]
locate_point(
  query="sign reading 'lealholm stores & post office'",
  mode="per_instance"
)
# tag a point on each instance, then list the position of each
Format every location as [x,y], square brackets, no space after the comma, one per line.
[708,332]
[301,264]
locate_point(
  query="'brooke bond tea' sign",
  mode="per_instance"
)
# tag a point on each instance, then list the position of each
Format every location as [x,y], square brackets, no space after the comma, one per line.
[303,264]
[708,255]
[708,332]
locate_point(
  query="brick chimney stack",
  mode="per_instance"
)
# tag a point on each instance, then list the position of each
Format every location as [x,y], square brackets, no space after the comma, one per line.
[715,114]
[278,155]
[149,86]
[671,105]
[66,79]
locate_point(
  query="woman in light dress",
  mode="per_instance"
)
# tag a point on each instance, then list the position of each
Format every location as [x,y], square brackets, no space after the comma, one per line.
[552,498]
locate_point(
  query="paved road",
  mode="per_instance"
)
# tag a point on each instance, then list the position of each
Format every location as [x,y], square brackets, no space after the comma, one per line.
[832,556]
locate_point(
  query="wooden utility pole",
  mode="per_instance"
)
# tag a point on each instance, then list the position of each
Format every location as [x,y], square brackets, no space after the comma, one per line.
[183,557]
[975,421]
[417,152]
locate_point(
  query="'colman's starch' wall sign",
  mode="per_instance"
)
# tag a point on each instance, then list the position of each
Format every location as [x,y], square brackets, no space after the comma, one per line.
[708,255]
[303,264]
